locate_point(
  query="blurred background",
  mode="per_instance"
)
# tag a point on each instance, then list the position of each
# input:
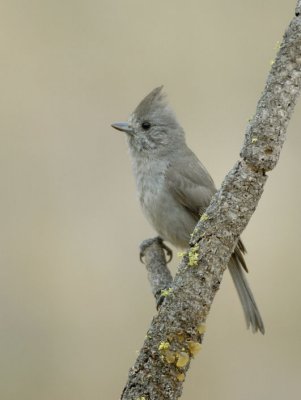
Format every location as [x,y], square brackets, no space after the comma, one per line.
[75,303]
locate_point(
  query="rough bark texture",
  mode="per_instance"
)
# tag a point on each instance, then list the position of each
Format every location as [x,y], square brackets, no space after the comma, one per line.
[175,334]
[159,275]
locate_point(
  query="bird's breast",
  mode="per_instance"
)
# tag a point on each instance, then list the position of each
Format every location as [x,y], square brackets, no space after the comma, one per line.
[169,218]
[150,185]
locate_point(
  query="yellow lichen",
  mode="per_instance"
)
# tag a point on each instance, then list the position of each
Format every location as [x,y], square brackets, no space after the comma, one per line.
[194,347]
[164,346]
[201,329]
[183,359]
[166,292]
[181,254]
[180,377]
[204,217]
[180,337]
[170,356]
[196,230]
[193,256]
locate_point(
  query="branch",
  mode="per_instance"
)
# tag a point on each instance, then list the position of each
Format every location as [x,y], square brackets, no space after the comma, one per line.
[175,334]
[159,275]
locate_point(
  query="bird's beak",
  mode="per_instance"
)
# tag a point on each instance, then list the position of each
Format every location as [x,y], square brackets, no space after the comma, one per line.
[123,127]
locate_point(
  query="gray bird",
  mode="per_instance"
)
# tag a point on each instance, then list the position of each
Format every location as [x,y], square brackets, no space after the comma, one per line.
[174,187]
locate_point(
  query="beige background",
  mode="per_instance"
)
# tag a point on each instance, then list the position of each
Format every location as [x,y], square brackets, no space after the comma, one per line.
[74,300]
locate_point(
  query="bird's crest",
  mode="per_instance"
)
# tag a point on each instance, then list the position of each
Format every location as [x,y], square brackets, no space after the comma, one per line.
[154,100]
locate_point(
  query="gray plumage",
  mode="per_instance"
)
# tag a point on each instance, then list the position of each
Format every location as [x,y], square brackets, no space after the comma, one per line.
[174,187]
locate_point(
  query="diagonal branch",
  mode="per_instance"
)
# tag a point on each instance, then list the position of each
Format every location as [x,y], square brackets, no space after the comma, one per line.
[175,334]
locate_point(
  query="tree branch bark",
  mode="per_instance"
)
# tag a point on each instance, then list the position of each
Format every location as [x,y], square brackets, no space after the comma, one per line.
[175,334]
[159,275]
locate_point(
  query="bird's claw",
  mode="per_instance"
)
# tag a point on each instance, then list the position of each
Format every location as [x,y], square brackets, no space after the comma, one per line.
[168,251]
[160,298]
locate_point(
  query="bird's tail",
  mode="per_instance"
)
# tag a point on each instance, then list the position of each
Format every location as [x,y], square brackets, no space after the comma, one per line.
[245,294]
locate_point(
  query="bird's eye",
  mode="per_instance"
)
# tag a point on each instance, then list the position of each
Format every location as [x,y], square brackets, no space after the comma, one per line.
[145,125]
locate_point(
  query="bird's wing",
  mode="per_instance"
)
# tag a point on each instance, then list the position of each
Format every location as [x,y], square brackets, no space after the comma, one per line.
[190,184]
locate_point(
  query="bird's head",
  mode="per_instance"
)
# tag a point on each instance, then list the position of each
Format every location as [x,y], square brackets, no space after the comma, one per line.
[152,128]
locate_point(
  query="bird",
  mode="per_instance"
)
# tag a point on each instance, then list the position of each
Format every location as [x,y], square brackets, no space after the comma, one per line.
[174,187]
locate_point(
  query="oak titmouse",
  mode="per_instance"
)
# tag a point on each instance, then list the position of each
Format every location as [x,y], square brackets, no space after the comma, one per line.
[174,187]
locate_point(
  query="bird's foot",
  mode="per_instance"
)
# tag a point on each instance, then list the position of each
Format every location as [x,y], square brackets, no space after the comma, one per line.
[147,242]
